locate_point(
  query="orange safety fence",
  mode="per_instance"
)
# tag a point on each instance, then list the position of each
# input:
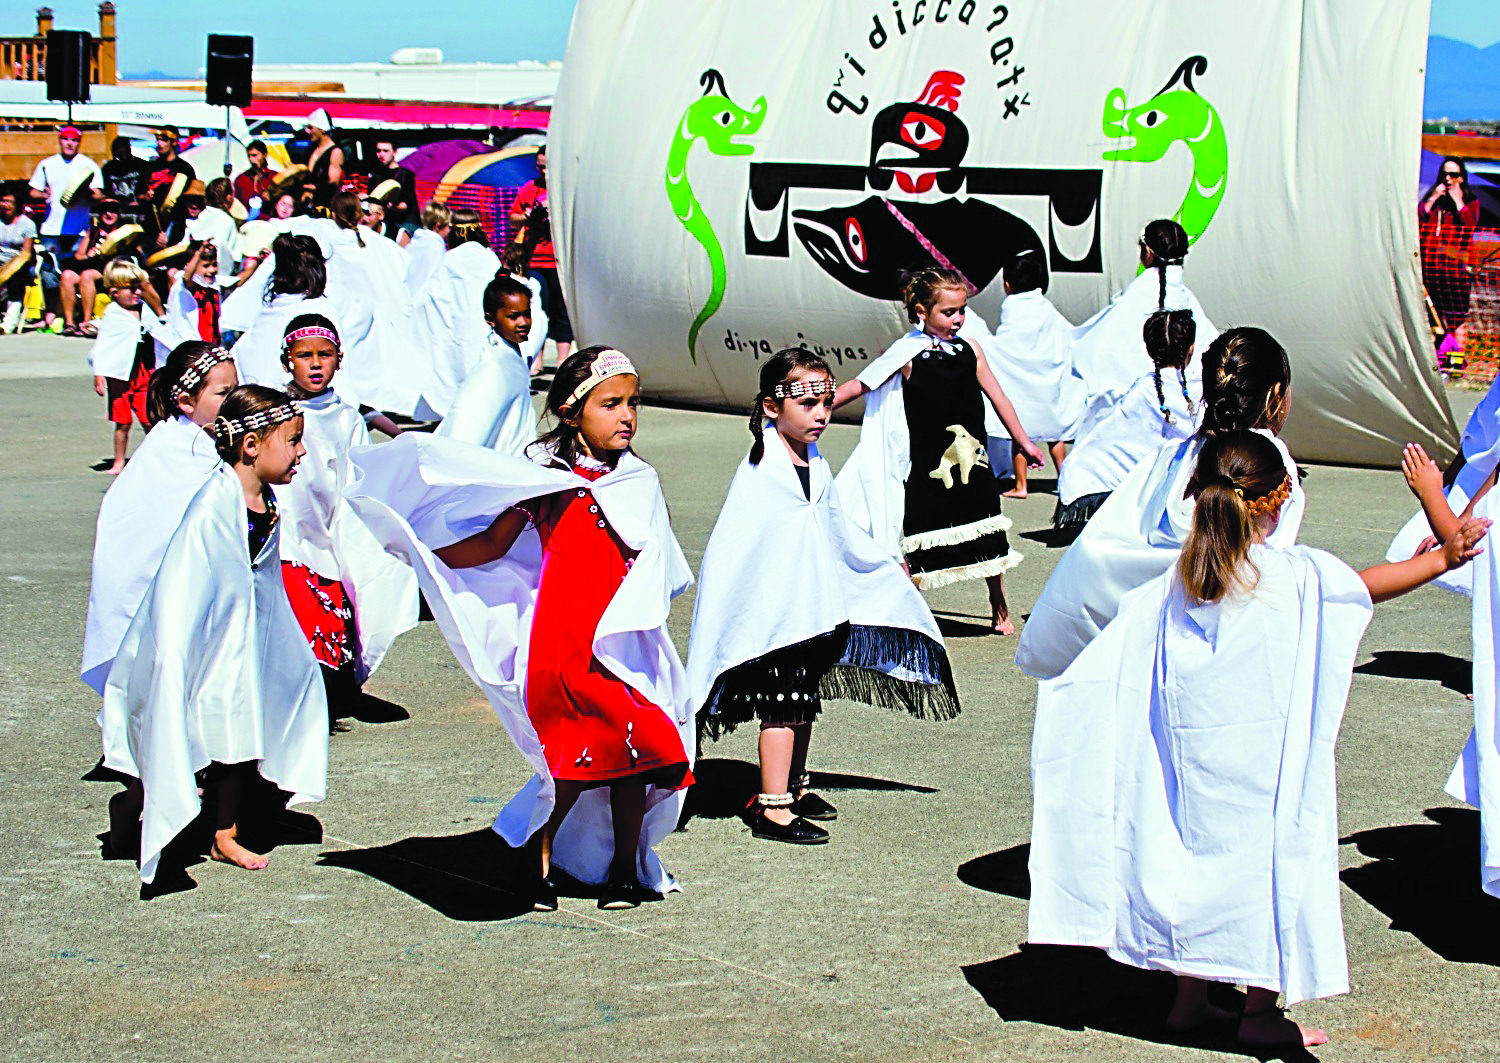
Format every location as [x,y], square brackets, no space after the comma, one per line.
[1462,280]
[493,205]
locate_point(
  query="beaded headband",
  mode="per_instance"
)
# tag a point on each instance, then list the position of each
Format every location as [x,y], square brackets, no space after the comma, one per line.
[1267,504]
[224,428]
[306,332]
[797,388]
[609,363]
[196,373]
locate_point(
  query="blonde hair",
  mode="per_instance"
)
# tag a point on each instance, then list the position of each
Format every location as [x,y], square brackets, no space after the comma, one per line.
[122,273]
[435,215]
[1240,477]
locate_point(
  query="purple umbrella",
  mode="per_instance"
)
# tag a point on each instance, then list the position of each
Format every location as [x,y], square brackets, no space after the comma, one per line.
[431,161]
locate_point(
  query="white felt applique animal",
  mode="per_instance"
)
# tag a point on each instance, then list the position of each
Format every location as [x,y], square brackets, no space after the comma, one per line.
[964,453]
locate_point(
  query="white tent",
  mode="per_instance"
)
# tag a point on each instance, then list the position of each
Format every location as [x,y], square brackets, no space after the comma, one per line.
[755,176]
[121,105]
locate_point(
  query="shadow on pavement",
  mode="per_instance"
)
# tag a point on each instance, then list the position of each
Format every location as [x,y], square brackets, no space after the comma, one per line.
[1004,872]
[1453,672]
[1424,877]
[961,626]
[473,877]
[725,786]
[1078,988]
[1054,538]
[367,708]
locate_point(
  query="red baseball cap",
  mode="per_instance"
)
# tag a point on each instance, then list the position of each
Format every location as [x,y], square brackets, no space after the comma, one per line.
[69,131]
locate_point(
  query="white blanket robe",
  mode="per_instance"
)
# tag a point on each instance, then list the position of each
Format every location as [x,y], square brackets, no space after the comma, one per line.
[139,514]
[741,612]
[1186,830]
[1476,777]
[448,325]
[1108,349]
[493,405]
[1133,430]
[243,305]
[213,668]
[319,529]
[368,285]
[1031,356]
[1135,536]
[217,225]
[425,251]
[1480,447]
[112,354]
[419,493]
[181,308]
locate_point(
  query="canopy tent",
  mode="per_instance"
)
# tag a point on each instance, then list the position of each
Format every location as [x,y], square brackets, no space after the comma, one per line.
[121,104]
[837,144]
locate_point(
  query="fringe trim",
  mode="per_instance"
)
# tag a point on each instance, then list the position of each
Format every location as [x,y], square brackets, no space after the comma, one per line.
[931,581]
[856,677]
[1077,512]
[953,536]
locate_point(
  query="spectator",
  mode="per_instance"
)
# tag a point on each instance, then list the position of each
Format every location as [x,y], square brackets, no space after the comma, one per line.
[530,210]
[17,239]
[373,215]
[82,272]
[156,195]
[254,185]
[325,163]
[1446,218]
[285,206]
[401,200]
[58,177]
[124,176]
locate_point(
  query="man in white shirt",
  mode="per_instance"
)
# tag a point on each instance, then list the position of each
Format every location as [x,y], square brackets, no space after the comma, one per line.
[55,176]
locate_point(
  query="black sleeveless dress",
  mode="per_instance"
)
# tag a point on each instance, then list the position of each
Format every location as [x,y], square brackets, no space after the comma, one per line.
[953,529]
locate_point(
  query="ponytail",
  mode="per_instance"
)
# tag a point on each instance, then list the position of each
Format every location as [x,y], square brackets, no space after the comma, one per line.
[344,208]
[1240,477]
[174,378]
[758,429]
[1247,382]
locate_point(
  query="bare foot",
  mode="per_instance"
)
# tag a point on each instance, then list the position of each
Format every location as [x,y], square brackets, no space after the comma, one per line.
[1196,1018]
[115,470]
[1272,1028]
[229,851]
[1003,625]
[1014,492]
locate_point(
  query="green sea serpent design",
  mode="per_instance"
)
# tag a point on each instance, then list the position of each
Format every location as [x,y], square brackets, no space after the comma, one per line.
[717,121]
[1176,114]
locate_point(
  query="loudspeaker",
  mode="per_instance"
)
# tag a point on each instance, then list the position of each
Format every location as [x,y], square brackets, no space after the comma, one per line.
[230,59]
[68,54]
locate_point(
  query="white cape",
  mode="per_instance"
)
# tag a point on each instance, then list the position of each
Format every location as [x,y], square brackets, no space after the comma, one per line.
[419,493]
[213,668]
[257,353]
[425,251]
[1030,355]
[138,517]
[1133,430]
[368,285]
[216,225]
[493,405]
[1183,830]
[448,325]
[1480,447]
[320,530]
[112,354]
[742,611]
[242,306]
[1135,536]
[1108,349]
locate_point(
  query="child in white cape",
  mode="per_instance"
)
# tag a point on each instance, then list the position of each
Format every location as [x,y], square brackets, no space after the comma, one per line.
[1184,828]
[447,318]
[214,681]
[856,628]
[493,405]
[1137,533]
[143,507]
[1161,407]
[351,597]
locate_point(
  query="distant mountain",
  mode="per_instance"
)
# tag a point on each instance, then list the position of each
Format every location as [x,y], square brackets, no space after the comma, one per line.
[149,75]
[1463,82]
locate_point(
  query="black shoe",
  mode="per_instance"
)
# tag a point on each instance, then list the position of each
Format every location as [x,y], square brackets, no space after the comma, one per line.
[618,896]
[797,832]
[543,895]
[811,806]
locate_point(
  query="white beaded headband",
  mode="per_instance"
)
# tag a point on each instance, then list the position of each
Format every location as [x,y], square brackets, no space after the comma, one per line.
[609,363]
[797,388]
[196,373]
[224,428]
[308,332]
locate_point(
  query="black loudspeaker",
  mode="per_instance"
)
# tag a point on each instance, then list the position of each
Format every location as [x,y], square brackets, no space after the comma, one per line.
[68,65]
[230,59]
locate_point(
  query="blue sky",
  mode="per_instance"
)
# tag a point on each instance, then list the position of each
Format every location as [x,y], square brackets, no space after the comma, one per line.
[168,35]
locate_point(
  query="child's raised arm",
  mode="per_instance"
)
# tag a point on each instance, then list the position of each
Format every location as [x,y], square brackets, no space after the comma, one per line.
[848,391]
[1396,578]
[992,391]
[489,545]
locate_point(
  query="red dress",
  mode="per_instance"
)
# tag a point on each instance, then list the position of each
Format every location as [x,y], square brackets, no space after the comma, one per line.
[593,727]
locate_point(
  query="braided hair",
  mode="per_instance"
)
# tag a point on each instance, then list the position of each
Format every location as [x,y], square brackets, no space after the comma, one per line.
[919,288]
[774,370]
[1247,383]
[1168,243]
[1169,336]
[243,402]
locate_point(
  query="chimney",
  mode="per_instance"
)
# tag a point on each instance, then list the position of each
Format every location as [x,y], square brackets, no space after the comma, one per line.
[107,73]
[43,21]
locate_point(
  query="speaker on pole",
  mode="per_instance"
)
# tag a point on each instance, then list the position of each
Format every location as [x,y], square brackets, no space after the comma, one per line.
[230,58]
[68,65]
